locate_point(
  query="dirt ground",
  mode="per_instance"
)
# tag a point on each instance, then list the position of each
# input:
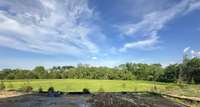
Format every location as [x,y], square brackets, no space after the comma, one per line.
[90,100]
[44,101]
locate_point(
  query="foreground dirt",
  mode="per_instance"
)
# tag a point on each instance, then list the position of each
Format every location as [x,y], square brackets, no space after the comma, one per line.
[132,100]
[43,101]
[6,94]
[97,100]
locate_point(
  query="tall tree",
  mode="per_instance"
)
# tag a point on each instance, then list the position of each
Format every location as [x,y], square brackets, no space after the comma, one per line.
[40,72]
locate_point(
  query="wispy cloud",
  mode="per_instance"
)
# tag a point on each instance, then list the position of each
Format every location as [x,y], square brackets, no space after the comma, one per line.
[68,26]
[94,58]
[153,22]
[48,26]
[192,53]
[186,49]
[150,42]
[193,5]
[195,53]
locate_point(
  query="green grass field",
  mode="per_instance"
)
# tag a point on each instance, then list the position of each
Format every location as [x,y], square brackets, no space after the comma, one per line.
[74,85]
[93,85]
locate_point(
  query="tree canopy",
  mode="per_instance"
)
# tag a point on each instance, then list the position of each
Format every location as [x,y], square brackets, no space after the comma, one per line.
[188,72]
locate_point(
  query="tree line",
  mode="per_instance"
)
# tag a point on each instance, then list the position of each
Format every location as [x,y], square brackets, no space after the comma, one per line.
[186,72]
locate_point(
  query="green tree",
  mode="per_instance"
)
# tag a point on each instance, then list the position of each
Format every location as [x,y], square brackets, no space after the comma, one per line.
[193,71]
[40,72]
[171,73]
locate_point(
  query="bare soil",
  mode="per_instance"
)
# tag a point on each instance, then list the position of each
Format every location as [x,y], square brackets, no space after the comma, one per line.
[89,100]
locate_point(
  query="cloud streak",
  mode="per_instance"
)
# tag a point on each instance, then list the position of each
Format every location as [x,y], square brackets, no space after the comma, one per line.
[68,26]
[48,26]
[150,42]
[153,22]
[193,53]
[186,49]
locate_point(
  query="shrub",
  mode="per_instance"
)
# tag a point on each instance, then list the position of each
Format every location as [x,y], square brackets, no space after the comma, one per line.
[2,86]
[40,90]
[28,88]
[101,90]
[86,91]
[51,89]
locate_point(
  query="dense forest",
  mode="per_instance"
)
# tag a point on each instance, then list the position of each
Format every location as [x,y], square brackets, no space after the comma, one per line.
[186,72]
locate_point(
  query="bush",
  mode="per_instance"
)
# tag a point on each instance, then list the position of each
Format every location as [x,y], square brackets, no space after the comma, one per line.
[2,86]
[101,90]
[86,91]
[40,90]
[28,88]
[50,90]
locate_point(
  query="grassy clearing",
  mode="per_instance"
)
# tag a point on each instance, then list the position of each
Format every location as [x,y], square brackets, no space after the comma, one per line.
[93,85]
[74,85]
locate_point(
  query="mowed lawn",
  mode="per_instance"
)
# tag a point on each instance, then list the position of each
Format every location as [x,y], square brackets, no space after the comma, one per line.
[77,85]
[73,85]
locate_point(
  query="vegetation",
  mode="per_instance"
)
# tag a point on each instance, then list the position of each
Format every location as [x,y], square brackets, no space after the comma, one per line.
[51,89]
[186,72]
[2,85]
[86,91]
[77,85]
[139,77]
[28,88]
[40,90]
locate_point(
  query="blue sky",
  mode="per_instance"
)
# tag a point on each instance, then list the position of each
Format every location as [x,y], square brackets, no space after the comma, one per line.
[97,32]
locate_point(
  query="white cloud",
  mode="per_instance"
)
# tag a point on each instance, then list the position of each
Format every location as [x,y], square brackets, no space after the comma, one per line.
[94,58]
[192,53]
[193,5]
[186,49]
[48,26]
[154,21]
[141,44]
[195,53]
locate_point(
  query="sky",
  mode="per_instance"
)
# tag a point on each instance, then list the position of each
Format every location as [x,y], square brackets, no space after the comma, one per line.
[97,32]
